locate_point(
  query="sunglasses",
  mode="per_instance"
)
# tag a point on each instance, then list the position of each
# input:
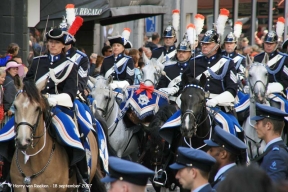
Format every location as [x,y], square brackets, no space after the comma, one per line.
[110,51]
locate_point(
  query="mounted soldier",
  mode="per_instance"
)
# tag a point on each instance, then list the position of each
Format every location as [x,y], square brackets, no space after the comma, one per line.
[170,82]
[169,35]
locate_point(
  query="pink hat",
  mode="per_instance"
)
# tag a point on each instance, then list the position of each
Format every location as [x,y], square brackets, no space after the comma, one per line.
[14,64]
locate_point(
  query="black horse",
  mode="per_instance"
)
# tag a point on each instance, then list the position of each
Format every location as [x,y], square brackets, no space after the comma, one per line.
[196,126]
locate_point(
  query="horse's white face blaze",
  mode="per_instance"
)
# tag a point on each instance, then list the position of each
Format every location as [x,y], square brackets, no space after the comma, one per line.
[258,78]
[151,70]
[101,94]
[26,111]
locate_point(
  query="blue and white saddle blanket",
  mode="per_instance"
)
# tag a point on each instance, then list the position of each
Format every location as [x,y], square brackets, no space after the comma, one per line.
[140,103]
[63,125]
[278,98]
[243,102]
[85,121]
[227,121]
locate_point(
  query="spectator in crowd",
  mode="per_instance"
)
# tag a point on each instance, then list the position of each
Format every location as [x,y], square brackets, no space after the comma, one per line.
[96,63]
[155,41]
[11,84]
[243,178]
[2,79]
[247,50]
[106,51]
[244,43]
[147,52]
[134,53]
[19,61]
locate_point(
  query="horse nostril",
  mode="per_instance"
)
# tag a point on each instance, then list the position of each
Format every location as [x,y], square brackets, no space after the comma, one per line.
[28,140]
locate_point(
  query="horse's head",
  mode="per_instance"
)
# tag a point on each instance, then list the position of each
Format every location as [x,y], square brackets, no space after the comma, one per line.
[258,79]
[29,106]
[193,104]
[102,94]
[152,70]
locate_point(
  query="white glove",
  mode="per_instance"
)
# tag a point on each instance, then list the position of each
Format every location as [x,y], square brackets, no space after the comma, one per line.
[170,90]
[223,99]
[52,101]
[119,84]
[62,99]
[246,89]
[274,88]
[211,102]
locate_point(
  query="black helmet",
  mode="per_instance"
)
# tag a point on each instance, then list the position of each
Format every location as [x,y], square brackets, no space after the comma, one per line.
[210,36]
[271,37]
[230,38]
[169,31]
[185,44]
[56,34]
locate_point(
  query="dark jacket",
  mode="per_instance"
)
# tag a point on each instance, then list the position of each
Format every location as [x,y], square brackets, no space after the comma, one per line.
[9,92]
[44,63]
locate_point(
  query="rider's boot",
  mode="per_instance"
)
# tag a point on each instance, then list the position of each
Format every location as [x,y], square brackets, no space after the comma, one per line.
[82,175]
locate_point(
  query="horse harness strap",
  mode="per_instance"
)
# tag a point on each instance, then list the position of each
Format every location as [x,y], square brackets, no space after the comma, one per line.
[273,72]
[27,179]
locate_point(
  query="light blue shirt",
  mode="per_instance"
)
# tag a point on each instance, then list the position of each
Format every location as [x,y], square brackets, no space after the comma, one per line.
[223,169]
[272,141]
[199,188]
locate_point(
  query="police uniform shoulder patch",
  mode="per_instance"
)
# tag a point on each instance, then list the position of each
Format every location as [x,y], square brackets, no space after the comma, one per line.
[284,54]
[273,165]
[276,148]
[81,53]
[285,70]
[41,56]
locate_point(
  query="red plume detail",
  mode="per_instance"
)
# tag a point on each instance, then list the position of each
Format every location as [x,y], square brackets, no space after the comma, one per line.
[76,25]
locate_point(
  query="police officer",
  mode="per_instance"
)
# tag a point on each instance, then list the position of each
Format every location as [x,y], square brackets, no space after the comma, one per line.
[126,176]
[119,65]
[169,48]
[61,87]
[170,82]
[227,150]
[193,167]
[230,45]
[277,65]
[219,70]
[269,126]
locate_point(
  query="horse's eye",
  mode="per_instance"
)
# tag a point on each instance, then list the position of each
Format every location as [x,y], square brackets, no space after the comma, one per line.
[250,75]
[266,74]
[15,107]
[106,97]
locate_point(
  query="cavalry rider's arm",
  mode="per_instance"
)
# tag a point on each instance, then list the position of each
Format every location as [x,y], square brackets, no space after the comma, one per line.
[83,69]
[284,74]
[163,82]
[230,84]
[70,83]
[32,70]
[156,53]
[275,165]
[129,71]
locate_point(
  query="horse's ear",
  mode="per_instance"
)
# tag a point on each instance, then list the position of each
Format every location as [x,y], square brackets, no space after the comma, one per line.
[145,58]
[203,80]
[265,59]
[160,59]
[110,79]
[248,61]
[92,79]
[41,84]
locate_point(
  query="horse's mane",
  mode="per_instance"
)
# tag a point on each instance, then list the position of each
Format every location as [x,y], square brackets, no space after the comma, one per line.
[31,91]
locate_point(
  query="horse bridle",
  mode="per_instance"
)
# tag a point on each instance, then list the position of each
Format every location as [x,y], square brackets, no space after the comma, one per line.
[157,76]
[191,113]
[258,81]
[107,111]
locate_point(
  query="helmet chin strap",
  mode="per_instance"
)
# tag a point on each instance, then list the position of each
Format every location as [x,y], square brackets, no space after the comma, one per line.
[213,49]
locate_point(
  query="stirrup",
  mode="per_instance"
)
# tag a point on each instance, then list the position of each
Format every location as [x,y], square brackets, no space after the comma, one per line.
[8,185]
[160,177]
